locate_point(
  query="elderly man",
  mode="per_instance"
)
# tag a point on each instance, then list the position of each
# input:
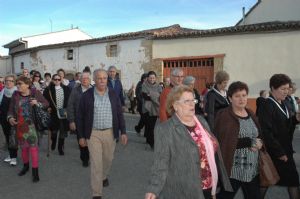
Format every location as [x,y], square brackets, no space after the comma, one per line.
[100,120]
[176,79]
[72,109]
[115,83]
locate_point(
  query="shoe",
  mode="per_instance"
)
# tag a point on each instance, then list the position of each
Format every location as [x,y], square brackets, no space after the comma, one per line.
[137,129]
[24,169]
[8,159]
[13,162]
[105,183]
[97,197]
[35,175]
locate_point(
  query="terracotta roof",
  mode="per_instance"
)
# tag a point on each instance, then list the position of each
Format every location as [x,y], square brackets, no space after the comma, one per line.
[268,27]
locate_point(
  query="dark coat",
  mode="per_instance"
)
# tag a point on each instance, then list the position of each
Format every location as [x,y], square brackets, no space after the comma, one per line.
[73,103]
[278,131]
[118,89]
[54,118]
[176,168]
[227,127]
[85,116]
[214,103]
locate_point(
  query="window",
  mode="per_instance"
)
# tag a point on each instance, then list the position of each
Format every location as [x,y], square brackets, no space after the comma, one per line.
[22,65]
[70,54]
[113,50]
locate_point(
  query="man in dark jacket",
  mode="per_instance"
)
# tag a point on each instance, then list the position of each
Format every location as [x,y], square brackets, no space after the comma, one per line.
[99,121]
[115,83]
[72,109]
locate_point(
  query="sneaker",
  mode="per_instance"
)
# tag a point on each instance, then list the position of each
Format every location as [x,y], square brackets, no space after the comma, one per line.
[13,162]
[8,159]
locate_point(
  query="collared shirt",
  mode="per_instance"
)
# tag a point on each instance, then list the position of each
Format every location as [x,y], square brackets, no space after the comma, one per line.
[113,82]
[102,111]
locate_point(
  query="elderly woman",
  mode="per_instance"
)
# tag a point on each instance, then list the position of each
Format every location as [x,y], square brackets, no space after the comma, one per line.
[237,130]
[278,128]
[5,97]
[57,95]
[216,98]
[150,93]
[190,81]
[187,159]
[20,116]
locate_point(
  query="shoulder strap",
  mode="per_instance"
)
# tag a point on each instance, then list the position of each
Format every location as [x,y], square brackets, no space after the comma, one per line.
[52,99]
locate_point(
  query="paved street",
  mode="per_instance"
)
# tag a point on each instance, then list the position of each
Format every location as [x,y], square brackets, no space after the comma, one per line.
[63,177]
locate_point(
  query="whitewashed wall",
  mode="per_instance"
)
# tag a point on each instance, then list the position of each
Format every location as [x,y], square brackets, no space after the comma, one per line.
[252,58]
[274,10]
[131,56]
[5,65]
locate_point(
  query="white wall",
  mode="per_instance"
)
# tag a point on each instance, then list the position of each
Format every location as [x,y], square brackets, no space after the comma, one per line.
[5,65]
[129,61]
[25,58]
[252,58]
[56,37]
[274,10]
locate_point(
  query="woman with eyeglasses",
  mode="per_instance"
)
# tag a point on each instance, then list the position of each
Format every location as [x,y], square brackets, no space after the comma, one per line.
[5,97]
[238,132]
[187,159]
[57,95]
[37,81]
[150,92]
[20,116]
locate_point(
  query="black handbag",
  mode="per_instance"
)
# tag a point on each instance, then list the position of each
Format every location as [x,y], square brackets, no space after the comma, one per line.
[42,118]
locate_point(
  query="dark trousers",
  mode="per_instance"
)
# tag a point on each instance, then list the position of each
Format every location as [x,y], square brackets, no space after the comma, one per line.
[84,151]
[6,130]
[149,128]
[132,106]
[61,131]
[251,190]
[141,123]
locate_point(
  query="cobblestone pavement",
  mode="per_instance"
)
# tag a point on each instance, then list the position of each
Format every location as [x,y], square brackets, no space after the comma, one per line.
[63,177]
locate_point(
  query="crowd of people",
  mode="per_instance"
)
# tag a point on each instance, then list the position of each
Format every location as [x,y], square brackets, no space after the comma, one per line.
[206,144]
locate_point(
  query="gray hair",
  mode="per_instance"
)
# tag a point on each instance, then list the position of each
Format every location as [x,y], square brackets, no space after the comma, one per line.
[176,71]
[111,67]
[188,80]
[99,70]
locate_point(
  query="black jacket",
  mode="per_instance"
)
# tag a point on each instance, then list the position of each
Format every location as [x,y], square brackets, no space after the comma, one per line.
[214,103]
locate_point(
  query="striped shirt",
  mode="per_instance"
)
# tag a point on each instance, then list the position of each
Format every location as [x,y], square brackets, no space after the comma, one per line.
[245,161]
[102,111]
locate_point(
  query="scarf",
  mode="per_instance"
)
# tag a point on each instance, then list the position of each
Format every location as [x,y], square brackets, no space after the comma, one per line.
[8,92]
[210,155]
[153,90]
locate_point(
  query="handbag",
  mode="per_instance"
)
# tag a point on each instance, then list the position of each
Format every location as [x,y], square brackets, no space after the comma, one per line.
[42,118]
[267,172]
[61,112]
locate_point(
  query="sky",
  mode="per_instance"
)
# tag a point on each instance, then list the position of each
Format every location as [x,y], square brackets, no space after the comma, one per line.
[20,18]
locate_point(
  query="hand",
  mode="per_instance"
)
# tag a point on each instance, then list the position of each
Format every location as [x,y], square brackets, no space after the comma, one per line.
[33,101]
[283,158]
[259,143]
[124,139]
[12,121]
[72,126]
[123,108]
[49,110]
[82,142]
[150,196]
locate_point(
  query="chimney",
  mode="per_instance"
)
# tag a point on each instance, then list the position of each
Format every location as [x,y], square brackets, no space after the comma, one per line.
[243,22]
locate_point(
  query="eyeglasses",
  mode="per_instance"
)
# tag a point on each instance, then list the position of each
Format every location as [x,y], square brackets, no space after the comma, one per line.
[177,76]
[187,102]
[20,83]
[56,79]
[8,80]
